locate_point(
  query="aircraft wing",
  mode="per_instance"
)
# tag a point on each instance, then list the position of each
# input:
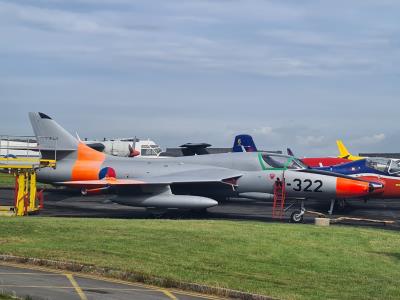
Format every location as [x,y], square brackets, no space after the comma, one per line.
[155,191]
[211,175]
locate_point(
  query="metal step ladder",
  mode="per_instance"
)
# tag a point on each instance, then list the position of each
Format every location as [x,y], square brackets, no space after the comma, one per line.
[278,207]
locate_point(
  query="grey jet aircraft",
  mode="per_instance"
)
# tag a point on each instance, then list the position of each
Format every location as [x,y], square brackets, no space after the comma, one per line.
[190,182]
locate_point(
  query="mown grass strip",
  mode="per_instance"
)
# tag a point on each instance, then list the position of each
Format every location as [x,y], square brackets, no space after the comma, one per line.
[6,180]
[7,297]
[279,260]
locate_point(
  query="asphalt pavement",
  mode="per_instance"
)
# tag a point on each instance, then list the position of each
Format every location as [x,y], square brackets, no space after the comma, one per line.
[38,283]
[64,203]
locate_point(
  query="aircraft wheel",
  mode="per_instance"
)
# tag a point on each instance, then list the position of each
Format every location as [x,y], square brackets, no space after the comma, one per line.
[296,217]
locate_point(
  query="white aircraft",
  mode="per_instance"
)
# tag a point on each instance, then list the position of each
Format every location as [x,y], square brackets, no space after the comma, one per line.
[127,147]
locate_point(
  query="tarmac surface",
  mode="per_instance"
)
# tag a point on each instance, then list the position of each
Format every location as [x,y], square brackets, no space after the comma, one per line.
[39,283]
[64,203]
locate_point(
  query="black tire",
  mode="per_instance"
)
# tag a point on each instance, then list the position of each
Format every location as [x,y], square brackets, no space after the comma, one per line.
[296,217]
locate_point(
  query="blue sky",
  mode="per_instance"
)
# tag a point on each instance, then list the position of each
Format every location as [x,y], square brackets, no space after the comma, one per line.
[291,73]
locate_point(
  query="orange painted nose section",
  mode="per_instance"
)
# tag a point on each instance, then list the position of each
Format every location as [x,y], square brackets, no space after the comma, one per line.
[346,188]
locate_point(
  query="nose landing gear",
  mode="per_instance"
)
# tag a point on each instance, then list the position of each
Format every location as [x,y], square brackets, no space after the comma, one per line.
[298,215]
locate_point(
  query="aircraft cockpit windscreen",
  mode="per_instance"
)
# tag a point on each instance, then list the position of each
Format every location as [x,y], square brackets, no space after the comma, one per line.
[282,162]
[379,164]
[394,167]
[296,164]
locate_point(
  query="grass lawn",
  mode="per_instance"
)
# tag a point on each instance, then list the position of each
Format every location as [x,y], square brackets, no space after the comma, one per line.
[280,260]
[6,180]
[7,297]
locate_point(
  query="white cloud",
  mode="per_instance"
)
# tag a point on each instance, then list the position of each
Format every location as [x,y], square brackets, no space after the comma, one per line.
[370,140]
[60,20]
[196,34]
[287,70]
[310,140]
[319,38]
[265,130]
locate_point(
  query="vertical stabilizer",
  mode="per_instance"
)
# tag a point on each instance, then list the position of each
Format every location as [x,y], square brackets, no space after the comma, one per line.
[343,152]
[50,135]
[244,143]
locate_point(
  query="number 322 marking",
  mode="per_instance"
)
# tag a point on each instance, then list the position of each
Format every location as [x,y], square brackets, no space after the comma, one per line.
[308,184]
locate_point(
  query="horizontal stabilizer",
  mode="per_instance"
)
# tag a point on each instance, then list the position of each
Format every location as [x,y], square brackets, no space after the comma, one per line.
[190,149]
[96,146]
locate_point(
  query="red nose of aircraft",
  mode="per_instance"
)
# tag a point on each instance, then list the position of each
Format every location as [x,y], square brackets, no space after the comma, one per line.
[349,188]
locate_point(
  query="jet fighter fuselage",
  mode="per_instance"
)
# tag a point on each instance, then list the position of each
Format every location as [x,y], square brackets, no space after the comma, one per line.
[185,182]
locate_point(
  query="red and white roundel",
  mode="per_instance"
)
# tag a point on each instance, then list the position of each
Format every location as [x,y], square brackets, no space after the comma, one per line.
[107,172]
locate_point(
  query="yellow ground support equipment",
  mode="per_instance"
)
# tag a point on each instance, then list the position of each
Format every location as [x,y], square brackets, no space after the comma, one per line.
[26,197]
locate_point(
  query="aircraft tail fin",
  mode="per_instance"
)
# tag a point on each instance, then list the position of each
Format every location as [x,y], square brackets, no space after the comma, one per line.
[343,152]
[244,143]
[50,135]
[290,152]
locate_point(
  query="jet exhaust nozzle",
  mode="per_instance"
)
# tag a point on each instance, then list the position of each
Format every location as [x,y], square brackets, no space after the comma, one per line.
[376,187]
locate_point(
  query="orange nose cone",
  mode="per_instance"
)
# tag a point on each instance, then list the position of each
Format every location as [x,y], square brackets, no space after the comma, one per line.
[351,188]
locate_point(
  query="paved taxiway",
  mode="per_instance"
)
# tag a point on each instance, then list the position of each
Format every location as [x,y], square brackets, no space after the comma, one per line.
[61,203]
[42,283]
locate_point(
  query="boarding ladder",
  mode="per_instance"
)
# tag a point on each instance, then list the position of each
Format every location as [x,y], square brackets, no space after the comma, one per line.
[21,157]
[278,207]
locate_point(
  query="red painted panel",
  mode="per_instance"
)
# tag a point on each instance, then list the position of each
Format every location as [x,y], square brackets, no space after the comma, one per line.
[315,162]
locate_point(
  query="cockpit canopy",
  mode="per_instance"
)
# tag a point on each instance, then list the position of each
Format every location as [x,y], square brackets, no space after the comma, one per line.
[386,165]
[394,168]
[274,161]
[150,150]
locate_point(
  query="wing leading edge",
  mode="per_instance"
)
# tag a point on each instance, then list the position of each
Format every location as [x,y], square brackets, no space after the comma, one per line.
[212,175]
